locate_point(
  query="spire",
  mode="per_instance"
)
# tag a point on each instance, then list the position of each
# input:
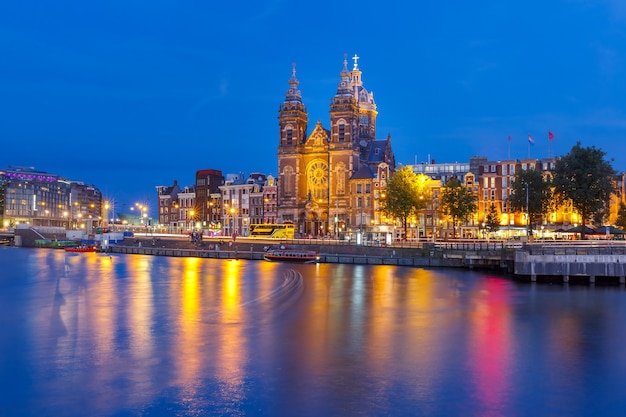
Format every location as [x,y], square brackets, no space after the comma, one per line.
[355,75]
[293,94]
[344,85]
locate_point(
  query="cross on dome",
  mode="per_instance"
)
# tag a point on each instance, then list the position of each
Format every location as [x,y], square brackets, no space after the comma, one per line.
[355,58]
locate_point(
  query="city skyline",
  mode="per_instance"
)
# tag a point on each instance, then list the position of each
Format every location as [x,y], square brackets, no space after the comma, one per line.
[154,92]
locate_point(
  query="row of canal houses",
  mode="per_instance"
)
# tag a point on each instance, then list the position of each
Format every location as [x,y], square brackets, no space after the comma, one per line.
[227,205]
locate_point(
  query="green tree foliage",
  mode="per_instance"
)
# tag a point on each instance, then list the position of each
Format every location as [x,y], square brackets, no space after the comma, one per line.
[492,221]
[406,194]
[457,202]
[537,202]
[585,178]
[621,216]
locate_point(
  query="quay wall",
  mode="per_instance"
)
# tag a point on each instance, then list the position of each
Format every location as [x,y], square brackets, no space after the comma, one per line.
[401,257]
[566,267]
[587,262]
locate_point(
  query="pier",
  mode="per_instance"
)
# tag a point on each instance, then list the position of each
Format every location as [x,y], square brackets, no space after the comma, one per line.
[577,261]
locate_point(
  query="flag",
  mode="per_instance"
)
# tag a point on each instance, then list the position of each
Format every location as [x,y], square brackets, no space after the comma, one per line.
[550,135]
[530,139]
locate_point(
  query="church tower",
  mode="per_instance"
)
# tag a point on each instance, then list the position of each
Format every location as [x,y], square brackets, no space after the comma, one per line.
[292,123]
[292,117]
[366,131]
[316,173]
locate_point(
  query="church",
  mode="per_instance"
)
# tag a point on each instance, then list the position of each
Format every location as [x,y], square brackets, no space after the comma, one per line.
[330,182]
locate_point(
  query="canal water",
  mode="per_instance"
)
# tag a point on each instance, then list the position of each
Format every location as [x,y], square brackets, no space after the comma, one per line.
[132,335]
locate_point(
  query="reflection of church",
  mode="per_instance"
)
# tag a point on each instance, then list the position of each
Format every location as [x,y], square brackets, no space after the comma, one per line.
[330,180]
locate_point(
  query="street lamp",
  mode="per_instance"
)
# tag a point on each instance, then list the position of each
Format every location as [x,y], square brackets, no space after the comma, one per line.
[527,213]
[190,219]
[232,221]
[360,236]
[106,207]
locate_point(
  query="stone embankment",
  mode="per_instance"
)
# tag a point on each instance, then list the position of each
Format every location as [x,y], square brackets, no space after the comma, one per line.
[457,255]
[586,262]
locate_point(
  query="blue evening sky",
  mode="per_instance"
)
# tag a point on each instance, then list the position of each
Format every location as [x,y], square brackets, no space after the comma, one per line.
[132,94]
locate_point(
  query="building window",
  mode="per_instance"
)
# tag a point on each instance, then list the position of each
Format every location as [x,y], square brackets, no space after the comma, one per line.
[289,181]
[341,180]
[289,136]
[342,132]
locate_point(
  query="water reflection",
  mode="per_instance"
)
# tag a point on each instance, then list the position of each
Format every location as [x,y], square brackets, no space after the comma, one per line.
[138,335]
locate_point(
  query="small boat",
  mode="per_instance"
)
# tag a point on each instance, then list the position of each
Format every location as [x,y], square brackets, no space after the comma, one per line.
[80,249]
[292,255]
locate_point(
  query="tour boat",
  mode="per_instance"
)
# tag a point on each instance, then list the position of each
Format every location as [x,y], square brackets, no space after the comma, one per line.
[292,255]
[80,249]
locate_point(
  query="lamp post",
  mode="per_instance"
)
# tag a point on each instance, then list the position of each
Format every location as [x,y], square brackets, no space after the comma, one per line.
[527,213]
[232,222]
[360,237]
[190,219]
[106,208]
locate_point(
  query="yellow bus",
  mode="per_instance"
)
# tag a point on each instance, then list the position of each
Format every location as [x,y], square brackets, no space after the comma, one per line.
[272,231]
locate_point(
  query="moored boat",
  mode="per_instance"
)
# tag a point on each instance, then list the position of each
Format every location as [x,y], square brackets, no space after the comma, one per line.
[292,255]
[80,249]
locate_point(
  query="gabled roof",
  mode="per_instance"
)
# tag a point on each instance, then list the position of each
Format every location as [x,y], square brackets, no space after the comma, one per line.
[377,151]
[364,173]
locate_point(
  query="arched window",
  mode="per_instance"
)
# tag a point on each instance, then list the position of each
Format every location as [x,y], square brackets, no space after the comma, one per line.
[317,179]
[341,179]
[289,181]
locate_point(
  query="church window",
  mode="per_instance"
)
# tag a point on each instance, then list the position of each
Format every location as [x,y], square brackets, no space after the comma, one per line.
[317,179]
[341,180]
[289,181]
[342,132]
[289,136]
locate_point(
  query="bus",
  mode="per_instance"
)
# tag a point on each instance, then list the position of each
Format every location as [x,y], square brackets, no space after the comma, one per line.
[272,231]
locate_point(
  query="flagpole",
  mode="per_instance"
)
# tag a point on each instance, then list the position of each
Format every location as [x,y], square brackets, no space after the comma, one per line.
[549,145]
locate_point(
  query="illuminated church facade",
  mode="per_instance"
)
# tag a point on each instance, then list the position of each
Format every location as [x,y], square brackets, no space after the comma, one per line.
[330,182]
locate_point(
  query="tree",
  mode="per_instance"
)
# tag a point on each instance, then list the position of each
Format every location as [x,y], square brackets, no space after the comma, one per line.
[492,221]
[585,178]
[457,202]
[406,194]
[621,216]
[532,194]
